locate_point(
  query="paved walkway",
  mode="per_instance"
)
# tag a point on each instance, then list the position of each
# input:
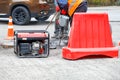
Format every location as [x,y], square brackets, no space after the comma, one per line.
[56,68]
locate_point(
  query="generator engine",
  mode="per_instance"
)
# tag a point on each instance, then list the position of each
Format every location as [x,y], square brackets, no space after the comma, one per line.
[37,48]
[31,43]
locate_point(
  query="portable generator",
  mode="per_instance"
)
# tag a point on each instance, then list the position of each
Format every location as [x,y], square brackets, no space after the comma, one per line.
[31,43]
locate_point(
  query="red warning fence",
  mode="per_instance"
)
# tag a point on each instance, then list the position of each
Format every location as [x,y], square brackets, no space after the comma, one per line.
[90,35]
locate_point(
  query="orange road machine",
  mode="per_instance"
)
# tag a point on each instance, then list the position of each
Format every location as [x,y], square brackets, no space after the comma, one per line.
[31,43]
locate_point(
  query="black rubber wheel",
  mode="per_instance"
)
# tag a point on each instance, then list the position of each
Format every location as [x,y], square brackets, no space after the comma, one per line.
[21,15]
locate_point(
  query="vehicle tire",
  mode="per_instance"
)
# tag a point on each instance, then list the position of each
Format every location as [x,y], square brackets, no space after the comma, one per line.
[21,15]
[42,18]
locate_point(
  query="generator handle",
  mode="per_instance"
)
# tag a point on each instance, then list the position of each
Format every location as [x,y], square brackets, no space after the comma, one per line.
[31,31]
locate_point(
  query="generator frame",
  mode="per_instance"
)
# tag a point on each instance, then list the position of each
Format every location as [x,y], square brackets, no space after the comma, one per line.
[29,39]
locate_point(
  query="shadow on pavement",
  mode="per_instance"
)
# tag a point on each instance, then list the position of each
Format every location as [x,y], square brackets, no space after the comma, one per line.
[3,21]
[39,22]
[31,22]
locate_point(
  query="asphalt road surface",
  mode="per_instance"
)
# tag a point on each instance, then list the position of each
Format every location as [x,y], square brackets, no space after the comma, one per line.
[55,67]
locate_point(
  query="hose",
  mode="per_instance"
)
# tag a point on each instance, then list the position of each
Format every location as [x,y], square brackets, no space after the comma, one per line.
[51,20]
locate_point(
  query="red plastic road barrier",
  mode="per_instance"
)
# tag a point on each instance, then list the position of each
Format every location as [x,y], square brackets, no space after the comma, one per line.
[90,35]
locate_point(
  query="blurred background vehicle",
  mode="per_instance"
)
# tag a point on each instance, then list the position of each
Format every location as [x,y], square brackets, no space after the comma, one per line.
[23,10]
